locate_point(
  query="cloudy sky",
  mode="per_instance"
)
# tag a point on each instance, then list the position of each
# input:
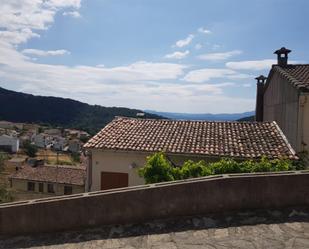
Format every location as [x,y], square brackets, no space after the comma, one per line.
[196,56]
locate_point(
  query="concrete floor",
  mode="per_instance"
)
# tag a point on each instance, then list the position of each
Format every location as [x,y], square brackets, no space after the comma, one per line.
[287,228]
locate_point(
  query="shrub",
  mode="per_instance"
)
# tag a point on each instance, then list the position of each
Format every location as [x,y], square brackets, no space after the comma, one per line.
[30,149]
[159,169]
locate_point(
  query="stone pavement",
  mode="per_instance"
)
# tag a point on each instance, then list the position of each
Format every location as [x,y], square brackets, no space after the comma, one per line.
[260,229]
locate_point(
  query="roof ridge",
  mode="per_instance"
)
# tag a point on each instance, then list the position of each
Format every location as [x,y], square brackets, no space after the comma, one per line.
[284,138]
[185,120]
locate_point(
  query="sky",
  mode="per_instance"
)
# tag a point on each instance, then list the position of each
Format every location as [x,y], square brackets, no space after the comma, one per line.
[193,56]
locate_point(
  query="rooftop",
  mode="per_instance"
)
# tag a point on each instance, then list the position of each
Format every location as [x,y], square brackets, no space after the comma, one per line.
[61,174]
[297,74]
[208,138]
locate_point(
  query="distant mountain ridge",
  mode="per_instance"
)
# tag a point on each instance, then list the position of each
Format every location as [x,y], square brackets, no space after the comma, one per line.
[28,108]
[205,116]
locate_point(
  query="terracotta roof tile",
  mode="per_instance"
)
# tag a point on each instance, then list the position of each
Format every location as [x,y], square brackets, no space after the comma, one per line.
[298,75]
[236,139]
[60,174]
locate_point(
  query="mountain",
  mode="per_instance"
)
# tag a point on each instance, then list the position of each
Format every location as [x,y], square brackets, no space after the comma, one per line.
[249,118]
[68,113]
[205,116]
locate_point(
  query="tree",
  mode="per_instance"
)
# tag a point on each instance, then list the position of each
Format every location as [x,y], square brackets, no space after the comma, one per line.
[5,195]
[157,169]
[30,149]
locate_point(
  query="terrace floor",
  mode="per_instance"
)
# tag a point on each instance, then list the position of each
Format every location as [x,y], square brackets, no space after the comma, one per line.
[288,228]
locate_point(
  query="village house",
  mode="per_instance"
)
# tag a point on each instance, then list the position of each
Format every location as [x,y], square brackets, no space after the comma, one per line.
[59,143]
[49,180]
[121,147]
[9,143]
[284,97]
[42,140]
[11,125]
[74,146]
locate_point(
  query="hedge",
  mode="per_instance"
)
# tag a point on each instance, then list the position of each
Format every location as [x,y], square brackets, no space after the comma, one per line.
[159,169]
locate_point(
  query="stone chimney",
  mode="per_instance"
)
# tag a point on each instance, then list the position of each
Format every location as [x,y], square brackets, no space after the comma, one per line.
[282,56]
[259,98]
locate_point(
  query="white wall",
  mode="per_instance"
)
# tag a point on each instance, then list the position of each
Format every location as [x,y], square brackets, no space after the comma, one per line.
[121,162]
[10,141]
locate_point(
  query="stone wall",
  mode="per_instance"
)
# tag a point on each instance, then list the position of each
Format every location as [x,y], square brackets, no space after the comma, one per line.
[213,194]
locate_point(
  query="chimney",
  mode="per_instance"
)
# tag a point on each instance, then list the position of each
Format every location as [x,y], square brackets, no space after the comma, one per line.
[260,98]
[282,56]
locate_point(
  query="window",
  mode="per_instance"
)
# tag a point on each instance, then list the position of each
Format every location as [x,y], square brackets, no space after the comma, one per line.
[41,187]
[31,186]
[68,190]
[50,188]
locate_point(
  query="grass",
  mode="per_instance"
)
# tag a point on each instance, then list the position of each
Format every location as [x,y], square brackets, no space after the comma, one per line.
[51,157]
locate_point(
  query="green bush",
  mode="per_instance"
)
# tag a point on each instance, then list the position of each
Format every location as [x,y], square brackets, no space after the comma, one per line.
[159,169]
[30,149]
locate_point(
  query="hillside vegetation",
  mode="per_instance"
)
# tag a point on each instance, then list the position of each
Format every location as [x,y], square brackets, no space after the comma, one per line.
[68,113]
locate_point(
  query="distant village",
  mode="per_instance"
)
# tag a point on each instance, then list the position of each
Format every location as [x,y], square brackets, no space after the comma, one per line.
[13,136]
[57,165]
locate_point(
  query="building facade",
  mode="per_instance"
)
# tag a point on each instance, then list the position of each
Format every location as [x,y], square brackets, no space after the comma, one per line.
[284,97]
[49,180]
[9,143]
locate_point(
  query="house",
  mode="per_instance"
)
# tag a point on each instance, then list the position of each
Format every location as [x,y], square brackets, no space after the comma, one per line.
[59,143]
[11,125]
[42,140]
[122,146]
[284,97]
[74,146]
[49,180]
[16,162]
[53,132]
[9,143]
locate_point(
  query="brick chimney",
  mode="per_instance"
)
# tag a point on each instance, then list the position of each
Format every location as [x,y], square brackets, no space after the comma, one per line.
[259,98]
[282,56]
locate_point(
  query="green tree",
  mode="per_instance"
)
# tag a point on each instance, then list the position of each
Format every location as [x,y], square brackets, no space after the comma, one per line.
[157,169]
[30,149]
[5,195]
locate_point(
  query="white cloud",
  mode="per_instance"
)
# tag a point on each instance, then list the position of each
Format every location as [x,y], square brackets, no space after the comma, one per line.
[246,85]
[74,14]
[184,42]
[219,56]
[178,55]
[204,75]
[204,31]
[138,85]
[38,52]
[63,3]
[198,46]
[251,65]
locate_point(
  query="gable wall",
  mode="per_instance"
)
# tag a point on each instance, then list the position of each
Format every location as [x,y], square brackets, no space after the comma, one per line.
[281,104]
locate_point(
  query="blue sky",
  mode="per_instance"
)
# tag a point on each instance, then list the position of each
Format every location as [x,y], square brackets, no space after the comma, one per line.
[178,55]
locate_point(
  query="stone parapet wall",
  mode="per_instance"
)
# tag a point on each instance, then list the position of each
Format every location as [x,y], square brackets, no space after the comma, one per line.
[213,194]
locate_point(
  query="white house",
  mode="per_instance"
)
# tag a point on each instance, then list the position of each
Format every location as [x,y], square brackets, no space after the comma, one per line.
[122,146]
[42,140]
[59,143]
[9,143]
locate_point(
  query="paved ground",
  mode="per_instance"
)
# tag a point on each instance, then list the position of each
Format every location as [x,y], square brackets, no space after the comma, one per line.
[263,229]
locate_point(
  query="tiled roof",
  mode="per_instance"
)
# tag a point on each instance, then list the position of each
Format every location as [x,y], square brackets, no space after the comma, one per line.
[235,139]
[60,174]
[298,75]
